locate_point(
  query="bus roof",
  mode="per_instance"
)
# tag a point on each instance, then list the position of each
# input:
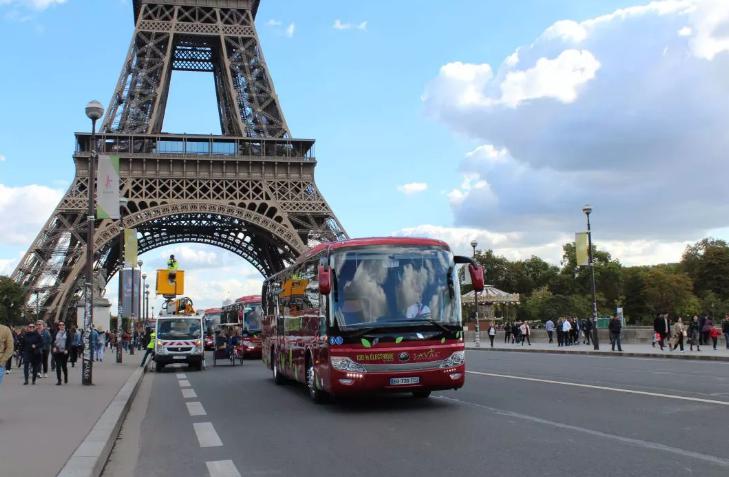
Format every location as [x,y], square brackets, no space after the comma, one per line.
[212,311]
[249,299]
[370,241]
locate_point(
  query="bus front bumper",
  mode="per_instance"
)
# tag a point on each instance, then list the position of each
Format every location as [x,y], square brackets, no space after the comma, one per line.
[343,383]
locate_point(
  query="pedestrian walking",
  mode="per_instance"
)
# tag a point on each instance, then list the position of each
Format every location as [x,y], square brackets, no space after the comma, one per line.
[525,331]
[694,334]
[62,343]
[507,332]
[150,346]
[615,327]
[566,329]
[662,328]
[725,330]
[46,349]
[32,352]
[679,333]
[587,327]
[7,348]
[77,345]
[706,330]
[100,345]
[515,333]
[702,322]
[492,333]
[549,326]
[714,334]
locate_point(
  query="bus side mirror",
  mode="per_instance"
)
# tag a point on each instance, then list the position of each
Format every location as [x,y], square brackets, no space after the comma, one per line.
[477,279]
[325,280]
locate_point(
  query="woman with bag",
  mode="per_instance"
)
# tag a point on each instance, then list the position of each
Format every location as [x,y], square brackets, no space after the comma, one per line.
[679,332]
[492,333]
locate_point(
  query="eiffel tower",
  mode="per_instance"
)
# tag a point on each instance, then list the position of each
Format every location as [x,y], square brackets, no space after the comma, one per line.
[250,190]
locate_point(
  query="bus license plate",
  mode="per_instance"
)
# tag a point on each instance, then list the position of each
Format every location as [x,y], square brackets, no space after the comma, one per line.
[179,357]
[401,381]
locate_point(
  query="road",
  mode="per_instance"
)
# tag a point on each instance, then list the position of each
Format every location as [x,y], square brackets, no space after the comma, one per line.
[519,414]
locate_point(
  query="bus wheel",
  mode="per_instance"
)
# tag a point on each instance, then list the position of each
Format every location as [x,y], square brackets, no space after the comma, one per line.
[316,395]
[421,394]
[277,377]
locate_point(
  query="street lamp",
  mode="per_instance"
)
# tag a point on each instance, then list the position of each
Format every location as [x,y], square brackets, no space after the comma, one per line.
[94,111]
[475,297]
[587,209]
[146,303]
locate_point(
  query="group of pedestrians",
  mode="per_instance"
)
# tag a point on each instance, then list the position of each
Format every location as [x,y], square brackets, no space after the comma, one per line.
[698,331]
[516,333]
[569,330]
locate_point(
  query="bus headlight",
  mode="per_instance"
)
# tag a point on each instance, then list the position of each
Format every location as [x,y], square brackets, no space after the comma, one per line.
[342,363]
[456,359]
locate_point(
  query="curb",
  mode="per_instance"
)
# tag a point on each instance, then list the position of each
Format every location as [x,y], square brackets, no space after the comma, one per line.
[606,353]
[89,458]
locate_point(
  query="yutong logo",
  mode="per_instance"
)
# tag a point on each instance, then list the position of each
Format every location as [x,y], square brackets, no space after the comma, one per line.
[404,356]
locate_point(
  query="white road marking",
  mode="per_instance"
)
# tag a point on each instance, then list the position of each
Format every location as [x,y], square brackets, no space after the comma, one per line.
[222,468]
[181,376]
[206,435]
[188,393]
[604,388]
[626,440]
[195,408]
[184,383]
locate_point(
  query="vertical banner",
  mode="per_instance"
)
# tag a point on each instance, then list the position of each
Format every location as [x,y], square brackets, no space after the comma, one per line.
[581,249]
[129,293]
[107,183]
[130,247]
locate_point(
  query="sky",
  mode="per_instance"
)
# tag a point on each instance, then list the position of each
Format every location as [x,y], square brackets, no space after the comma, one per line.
[469,119]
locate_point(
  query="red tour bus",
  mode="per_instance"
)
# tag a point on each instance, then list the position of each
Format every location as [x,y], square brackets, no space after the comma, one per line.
[248,313]
[368,315]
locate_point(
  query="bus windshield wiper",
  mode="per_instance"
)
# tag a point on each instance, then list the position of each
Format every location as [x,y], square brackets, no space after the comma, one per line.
[432,322]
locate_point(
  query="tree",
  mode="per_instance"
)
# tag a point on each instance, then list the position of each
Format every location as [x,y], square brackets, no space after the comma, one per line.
[707,263]
[11,302]
[668,292]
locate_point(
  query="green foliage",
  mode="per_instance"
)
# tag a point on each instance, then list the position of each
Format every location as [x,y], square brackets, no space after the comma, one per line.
[11,302]
[707,263]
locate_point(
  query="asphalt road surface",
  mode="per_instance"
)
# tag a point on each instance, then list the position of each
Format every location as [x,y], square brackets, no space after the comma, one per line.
[519,414]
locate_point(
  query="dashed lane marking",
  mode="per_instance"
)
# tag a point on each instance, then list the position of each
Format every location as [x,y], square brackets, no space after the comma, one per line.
[181,376]
[188,393]
[195,408]
[625,440]
[184,383]
[222,468]
[206,435]
[604,388]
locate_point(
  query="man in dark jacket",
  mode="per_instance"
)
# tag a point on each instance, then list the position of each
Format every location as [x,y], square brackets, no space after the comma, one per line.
[662,327]
[702,322]
[615,327]
[32,352]
[725,330]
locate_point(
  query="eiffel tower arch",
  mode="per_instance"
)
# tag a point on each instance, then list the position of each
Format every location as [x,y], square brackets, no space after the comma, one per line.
[250,190]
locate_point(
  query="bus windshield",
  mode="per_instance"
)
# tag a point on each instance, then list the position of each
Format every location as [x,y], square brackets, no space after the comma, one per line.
[395,286]
[179,329]
[252,315]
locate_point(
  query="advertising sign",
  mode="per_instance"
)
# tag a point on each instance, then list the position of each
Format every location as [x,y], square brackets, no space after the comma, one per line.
[129,288]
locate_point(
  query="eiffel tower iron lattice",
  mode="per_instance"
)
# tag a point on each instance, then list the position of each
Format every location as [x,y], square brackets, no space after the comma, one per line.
[250,190]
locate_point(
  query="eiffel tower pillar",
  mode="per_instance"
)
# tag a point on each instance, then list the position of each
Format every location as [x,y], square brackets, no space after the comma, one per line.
[250,190]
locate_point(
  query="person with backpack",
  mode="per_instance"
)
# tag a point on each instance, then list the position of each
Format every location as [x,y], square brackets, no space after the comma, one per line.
[615,327]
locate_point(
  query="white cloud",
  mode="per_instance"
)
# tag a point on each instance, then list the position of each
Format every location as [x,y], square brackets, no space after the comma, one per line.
[2,158]
[412,188]
[340,25]
[24,210]
[39,5]
[619,111]
[278,27]
[274,23]
[7,265]
[290,30]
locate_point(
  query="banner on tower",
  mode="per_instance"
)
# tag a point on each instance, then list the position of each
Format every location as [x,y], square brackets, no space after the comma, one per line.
[107,184]
[130,289]
[130,247]
[581,249]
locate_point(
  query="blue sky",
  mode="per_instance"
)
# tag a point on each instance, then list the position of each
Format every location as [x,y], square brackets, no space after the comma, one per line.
[385,102]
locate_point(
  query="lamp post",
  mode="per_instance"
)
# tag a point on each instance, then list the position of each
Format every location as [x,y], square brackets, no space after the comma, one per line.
[587,209]
[146,303]
[94,111]
[475,297]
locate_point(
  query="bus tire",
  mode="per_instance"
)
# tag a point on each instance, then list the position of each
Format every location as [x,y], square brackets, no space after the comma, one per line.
[421,394]
[316,395]
[277,376]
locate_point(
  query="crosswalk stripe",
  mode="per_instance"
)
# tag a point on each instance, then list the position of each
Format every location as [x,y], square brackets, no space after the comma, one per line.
[181,376]
[188,393]
[206,435]
[184,383]
[222,468]
[195,408]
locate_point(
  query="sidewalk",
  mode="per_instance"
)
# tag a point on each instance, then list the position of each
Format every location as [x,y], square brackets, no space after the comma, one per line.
[630,350]
[41,426]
